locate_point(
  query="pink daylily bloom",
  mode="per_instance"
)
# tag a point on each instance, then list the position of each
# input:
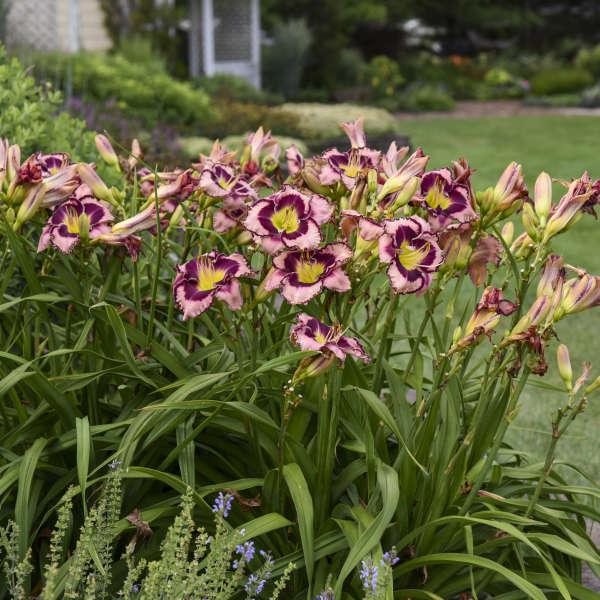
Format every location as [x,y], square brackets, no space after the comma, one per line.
[488,312]
[355,130]
[311,334]
[302,274]
[204,278]
[368,229]
[412,252]
[39,166]
[220,181]
[288,219]
[80,218]
[230,215]
[347,167]
[447,200]
[295,160]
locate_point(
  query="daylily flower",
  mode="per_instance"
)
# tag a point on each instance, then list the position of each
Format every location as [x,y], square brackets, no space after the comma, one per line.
[490,309]
[209,276]
[506,197]
[311,334]
[231,214]
[302,274]
[79,219]
[355,130]
[446,199]
[412,252]
[295,160]
[39,166]
[578,294]
[391,159]
[288,219]
[569,208]
[221,181]
[347,167]
[131,243]
[260,143]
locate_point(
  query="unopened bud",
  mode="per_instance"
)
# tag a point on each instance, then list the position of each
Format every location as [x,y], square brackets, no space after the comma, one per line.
[456,335]
[564,366]
[406,194]
[593,386]
[508,232]
[92,180]
[106,151]
[543,196]
[530,221]
[313,366]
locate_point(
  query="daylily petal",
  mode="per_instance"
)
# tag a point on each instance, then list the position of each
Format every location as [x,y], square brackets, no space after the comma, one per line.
[338,281]
[300,294]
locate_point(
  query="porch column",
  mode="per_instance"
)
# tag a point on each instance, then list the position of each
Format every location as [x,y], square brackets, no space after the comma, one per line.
[255,41]
[195,35]
[208,38]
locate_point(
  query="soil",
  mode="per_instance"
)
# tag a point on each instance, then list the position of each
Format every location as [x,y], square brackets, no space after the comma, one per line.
[498,108]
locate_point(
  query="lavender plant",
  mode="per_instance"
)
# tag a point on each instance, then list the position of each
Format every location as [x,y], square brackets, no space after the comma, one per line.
[340,345]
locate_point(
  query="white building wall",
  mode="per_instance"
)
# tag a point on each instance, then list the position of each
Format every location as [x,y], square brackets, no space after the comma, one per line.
[63,25]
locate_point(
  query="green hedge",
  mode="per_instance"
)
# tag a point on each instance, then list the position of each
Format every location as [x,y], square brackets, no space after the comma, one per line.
[560,81]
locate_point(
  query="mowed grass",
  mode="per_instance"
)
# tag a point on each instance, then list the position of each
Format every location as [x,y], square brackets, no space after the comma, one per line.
[564,146]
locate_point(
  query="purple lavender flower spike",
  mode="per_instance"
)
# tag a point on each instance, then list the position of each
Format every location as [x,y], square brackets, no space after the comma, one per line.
[222,504]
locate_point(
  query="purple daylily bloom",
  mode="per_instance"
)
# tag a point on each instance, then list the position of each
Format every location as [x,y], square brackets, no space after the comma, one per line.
[412,252]
[39,166]
[209,276]
[295,160]
[302,274]
[288,219]
[310,334]
[220,181]
[230,215]
[446,199]
[355,130]
[347,167]
[81,217]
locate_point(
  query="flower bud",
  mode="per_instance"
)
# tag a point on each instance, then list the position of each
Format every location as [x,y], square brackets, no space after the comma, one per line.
[552,276]
[92,180]
[405,195]
[13,162]
[593,386]
[456,335]
[312,182]
[530,221]
[508,232]
[313,366]
[355,132]
[371,181]
[106,151]
[136,154]
[30,205]
[564,366]
[542,197]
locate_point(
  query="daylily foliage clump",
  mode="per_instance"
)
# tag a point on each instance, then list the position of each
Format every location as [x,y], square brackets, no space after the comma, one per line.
[340,342]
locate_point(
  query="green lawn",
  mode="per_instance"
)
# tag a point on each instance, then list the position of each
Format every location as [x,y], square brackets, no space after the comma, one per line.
[564,147]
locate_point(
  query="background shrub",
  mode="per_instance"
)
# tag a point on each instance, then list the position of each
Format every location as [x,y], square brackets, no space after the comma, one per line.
[143,90]
[426,97]
[589,60]
[28,115]
[560,81]
[284,60]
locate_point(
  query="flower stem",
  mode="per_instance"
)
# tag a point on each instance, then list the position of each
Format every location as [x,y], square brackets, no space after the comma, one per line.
[156,279]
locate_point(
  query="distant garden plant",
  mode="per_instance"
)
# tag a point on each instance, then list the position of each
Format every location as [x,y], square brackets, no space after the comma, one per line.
[325,357]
